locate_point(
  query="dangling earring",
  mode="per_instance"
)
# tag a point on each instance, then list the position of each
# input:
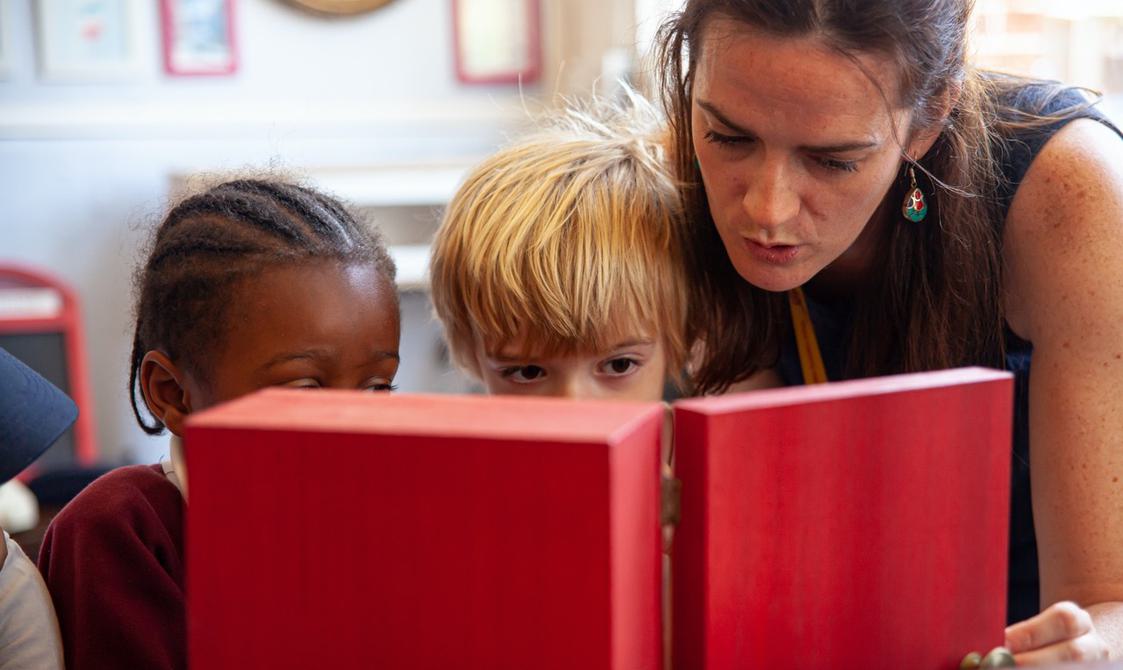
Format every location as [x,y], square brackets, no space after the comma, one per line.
[915,207]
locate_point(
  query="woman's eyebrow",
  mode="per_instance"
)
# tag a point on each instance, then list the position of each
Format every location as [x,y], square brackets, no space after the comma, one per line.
[836,148]
[716,113]
[841,148]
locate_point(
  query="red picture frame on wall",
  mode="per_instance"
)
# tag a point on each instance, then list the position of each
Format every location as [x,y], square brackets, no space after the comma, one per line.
[497,41]
[199,37]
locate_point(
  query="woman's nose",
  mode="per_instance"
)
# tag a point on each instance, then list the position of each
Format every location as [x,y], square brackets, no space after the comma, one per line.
[770,199]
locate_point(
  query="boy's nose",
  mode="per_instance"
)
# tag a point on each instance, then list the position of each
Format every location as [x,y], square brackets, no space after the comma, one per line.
[576,387]
[572,389]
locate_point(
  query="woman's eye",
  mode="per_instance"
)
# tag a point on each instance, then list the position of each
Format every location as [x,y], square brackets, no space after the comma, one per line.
[838,165]
[725,140]
[618,367]
[523,374]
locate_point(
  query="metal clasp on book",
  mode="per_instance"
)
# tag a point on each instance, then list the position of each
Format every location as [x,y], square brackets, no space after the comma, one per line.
[671,500]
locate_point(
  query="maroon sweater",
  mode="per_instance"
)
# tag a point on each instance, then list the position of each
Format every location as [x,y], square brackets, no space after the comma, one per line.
[113,560]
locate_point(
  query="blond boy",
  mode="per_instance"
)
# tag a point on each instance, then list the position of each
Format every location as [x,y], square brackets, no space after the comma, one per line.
[558,269]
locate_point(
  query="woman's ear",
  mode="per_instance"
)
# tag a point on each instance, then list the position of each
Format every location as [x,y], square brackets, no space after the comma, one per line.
[942,105]
[164,387]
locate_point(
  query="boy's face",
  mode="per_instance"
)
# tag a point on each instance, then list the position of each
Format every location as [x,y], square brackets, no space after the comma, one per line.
[635,368]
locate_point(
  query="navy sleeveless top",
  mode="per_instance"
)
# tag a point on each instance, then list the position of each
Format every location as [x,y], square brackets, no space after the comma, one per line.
[832,326]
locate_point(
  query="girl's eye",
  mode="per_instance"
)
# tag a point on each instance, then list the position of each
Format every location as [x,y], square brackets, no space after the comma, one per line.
[725,140]
[619,367]
[838,165]
[380,385]
[523,374]
[303,384]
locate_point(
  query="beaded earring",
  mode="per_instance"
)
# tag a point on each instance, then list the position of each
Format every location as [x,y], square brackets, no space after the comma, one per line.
[915,207]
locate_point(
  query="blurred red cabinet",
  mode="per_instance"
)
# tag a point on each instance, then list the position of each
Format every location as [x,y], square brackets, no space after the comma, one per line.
[41,324]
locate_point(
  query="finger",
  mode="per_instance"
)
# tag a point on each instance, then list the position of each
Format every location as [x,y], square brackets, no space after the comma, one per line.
[1084,648]
[1058,623]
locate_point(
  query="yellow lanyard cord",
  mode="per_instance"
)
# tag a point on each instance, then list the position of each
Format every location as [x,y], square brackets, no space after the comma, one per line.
[809,357]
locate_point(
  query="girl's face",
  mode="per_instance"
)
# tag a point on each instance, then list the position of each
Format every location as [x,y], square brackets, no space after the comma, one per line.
[319,325]
[797,149]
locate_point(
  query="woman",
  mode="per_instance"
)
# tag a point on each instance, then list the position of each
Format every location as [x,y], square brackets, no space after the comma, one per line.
[850,175]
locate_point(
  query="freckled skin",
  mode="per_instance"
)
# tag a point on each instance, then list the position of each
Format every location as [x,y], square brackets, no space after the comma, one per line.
[1063,247]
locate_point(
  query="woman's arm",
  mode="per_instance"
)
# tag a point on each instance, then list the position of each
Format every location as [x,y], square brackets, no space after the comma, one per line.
[1064,254]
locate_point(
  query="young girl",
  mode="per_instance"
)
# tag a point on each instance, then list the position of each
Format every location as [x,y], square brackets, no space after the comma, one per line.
[250,284]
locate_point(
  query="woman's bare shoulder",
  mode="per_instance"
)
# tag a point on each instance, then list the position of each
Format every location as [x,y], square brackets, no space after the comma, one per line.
[1064,231]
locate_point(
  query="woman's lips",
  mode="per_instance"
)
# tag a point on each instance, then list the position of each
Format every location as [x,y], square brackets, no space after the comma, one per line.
[776,254]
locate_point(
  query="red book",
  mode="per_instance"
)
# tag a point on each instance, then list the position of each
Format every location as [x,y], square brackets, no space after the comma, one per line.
[353,530]
[848,525]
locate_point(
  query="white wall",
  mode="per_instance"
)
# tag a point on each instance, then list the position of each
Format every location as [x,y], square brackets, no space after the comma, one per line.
[84,167]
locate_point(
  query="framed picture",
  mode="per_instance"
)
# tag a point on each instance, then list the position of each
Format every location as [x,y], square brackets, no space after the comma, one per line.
[199,37]
[340,6]
[497,41]
[6,32]
[91,39]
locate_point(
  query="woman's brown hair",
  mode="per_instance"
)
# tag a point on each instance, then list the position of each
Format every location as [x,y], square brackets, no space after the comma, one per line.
[936,300]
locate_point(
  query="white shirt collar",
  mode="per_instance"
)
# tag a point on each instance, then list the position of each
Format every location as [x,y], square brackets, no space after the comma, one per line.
[174,468]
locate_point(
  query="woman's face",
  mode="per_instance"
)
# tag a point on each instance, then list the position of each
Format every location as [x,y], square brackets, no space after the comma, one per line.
[797,148]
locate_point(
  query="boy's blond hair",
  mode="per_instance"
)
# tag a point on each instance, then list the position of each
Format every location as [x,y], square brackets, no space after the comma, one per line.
[564,235]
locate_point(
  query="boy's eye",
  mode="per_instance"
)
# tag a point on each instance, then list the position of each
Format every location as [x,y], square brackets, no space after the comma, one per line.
[619,367]
[523,374]
[306,383]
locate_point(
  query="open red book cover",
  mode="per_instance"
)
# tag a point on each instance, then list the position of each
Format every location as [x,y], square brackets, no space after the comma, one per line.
[857,524]
[355,530]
